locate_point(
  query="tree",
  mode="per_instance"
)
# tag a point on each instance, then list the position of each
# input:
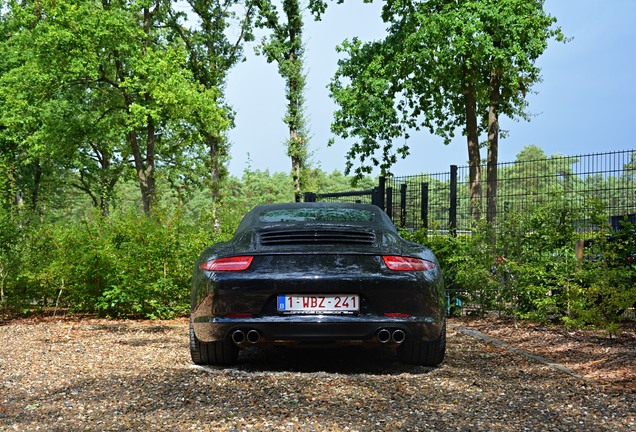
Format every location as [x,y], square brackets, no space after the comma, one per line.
[534,180]
[444,65]
[22,107]
[104,82]
[285,47]
[516,33]
[211,55]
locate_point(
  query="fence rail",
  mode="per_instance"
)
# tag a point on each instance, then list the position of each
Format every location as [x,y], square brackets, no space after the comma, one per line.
[442,200]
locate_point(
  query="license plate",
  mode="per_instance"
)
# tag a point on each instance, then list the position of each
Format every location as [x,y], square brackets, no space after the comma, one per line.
[317,304]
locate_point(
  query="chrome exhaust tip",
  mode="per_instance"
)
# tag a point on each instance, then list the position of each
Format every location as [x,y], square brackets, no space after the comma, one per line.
[238,337]
[398,336]
[383,336]
[253,336]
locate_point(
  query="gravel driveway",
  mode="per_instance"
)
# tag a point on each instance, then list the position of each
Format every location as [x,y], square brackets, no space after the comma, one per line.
[120,376]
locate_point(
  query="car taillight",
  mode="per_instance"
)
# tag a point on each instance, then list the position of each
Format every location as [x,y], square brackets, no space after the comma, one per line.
[400,263]
[237,263]
[239,315]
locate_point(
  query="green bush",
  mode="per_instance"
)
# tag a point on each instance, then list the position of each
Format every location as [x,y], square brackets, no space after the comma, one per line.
[467,266]
[528,267]
[609,278]
[132,265]
[126,265]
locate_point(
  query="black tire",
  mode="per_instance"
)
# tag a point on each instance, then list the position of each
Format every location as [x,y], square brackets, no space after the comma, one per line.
[424,353]
[222,353]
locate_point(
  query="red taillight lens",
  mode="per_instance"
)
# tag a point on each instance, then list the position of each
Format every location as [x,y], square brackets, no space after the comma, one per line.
[237,263]
[239,315]
[400,263]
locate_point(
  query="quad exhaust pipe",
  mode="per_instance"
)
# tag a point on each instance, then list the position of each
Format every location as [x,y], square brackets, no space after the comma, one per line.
[396,336]
[253,336]
[384,336]
[239,337]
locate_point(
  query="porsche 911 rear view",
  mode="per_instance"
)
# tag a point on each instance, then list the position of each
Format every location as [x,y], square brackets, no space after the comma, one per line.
[317,273]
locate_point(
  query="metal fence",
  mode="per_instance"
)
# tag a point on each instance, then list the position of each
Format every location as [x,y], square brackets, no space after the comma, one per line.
[369,196]
[441,201]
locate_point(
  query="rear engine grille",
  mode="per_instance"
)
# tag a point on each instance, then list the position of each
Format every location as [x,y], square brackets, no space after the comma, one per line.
[275,238]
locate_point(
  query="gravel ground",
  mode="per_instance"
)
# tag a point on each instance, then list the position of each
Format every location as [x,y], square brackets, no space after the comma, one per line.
[596,355]
[119,376]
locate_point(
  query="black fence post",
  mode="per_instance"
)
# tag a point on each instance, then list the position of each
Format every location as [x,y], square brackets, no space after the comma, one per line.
[452,211]
[424,203]
[310,197]
[389,202]
[381,191]
[403,205]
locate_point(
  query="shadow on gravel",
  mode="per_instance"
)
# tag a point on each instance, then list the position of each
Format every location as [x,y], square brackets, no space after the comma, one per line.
[340,360]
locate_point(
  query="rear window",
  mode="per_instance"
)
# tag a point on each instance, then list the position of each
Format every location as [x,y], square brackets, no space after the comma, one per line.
[317,215]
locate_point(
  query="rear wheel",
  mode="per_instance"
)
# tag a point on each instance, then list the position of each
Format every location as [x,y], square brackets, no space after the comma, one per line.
[424,353]
[222,353]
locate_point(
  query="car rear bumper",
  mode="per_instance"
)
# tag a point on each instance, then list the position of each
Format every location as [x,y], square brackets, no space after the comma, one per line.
[318,329]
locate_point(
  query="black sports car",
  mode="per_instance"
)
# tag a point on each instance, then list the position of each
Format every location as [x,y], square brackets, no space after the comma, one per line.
[317,273]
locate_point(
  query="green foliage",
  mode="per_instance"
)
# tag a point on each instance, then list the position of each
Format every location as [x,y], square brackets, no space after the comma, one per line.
[528,267]
[92,93]
[452,253]
[536,260]
[609,277]
[126,264]
[437,70]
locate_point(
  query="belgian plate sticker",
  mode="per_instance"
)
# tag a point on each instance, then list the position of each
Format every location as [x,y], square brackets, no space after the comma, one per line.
[281,303]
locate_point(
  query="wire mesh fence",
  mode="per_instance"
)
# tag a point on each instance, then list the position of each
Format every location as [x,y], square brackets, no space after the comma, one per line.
[443,201]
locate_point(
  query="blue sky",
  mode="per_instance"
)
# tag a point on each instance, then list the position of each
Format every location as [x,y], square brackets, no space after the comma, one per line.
[585,104]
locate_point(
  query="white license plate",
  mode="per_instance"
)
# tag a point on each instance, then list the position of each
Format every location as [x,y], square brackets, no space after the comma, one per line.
[317,304]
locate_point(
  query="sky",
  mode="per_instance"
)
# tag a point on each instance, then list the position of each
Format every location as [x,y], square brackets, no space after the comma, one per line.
[586,102]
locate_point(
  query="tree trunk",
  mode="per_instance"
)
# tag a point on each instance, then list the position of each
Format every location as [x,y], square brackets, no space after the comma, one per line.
[215,174]
[474,157]
[16,195]
[296,164]
[145,168]
[296,145]
[145,172]
[37,181]
[150,165]
[493,147]
[107,180]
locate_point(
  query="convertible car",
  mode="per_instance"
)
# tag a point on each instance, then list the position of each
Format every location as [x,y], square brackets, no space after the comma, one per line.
[317,274]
